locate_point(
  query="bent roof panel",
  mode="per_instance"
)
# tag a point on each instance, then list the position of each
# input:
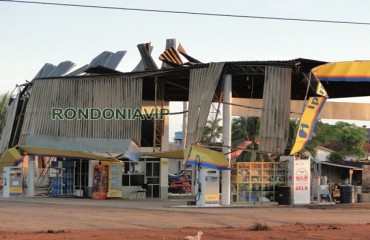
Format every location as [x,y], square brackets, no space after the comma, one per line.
[248,79]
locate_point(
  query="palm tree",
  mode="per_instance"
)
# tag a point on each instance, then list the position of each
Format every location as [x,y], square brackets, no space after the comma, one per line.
[212,131]
[247,129]
[293,124]
[3,104]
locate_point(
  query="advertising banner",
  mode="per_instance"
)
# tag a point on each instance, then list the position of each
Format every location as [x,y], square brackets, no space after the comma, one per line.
[307,122]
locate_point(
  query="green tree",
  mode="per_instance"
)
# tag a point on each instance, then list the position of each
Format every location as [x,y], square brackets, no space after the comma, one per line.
[212,131]
[247,129]
[293,124]
[353,139]
[336,157]
[3,104]
[321,135]
[342,137]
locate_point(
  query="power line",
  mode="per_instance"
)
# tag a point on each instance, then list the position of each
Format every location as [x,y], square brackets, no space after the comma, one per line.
[190,13]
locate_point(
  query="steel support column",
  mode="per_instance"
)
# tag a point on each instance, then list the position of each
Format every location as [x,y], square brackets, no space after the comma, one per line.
[226,174]
[31,176]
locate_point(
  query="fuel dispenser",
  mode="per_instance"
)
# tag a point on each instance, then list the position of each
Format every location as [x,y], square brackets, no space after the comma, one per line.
[208,187]
[13,177]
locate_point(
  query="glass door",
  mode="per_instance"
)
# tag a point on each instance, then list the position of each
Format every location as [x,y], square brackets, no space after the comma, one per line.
[152,177]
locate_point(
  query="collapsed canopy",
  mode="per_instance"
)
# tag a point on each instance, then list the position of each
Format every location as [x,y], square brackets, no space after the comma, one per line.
[196,156]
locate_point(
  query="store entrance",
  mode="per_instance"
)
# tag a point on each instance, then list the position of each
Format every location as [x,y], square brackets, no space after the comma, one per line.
[152,167]
[81,177]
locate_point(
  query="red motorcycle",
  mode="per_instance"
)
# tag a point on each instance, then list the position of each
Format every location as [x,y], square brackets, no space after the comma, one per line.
[179,183]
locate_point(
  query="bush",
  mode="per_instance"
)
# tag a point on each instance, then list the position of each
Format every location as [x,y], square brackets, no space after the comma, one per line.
[260,227]
[336,157]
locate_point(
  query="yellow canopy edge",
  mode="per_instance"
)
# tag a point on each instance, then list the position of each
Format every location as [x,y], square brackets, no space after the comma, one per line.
[178,154]
[9,158]
[195,155]
[62,153]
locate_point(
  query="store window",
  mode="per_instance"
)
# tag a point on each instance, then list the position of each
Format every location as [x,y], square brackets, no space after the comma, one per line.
[133,173]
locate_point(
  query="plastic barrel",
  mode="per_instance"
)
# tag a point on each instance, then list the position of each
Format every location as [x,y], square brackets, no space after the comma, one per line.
[364,197]
[56,183]
[284,195]
[358,190]
[346,194]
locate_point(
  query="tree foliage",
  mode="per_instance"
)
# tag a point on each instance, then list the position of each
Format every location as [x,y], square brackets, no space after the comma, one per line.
[4,98]
[336,157]
[293,124]
[212,131]
[345,138]
[247,129]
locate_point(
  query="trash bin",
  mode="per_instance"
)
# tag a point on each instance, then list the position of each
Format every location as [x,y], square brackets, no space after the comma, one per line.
[347,194]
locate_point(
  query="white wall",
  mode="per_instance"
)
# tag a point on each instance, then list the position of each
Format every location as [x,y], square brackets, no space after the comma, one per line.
[321,155]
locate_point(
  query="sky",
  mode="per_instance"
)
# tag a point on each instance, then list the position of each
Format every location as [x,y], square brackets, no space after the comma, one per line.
[32,35]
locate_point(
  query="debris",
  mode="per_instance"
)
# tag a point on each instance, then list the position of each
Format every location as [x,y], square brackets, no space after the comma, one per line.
[197,237]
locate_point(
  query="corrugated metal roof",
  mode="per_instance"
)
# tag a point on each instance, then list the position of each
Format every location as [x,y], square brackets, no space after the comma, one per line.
[45,70]
[341,165]
[115,59]
[140,66]
[108,59]
[101,59]
[50,70]
[145,50]
[274,127]
[78,71]
[102,70]
[170,43]
[191,60]
[171,57]
[247,79]
[62,69]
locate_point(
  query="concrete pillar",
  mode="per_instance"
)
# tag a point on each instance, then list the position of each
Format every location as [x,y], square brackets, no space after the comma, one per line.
[184,124]
[31,176]
[164,178]
[350,176]
[226,118]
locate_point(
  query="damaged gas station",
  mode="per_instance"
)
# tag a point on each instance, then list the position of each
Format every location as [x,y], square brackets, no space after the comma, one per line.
[102,154]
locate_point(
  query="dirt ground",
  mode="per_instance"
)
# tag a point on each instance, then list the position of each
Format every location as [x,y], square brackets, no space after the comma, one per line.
[113,219]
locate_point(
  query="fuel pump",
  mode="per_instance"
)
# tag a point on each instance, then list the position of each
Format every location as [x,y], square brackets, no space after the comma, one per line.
[13,177]
[208,187]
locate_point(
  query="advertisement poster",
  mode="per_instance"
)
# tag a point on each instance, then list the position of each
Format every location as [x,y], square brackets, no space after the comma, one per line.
[300,180]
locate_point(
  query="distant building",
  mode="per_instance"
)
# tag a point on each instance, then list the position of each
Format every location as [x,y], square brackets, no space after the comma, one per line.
[322,154]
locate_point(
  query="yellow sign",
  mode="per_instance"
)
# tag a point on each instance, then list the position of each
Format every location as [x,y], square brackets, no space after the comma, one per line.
[307,123]
[207,158]
[212,198]
[15,190]
[164,163]
[320,90]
